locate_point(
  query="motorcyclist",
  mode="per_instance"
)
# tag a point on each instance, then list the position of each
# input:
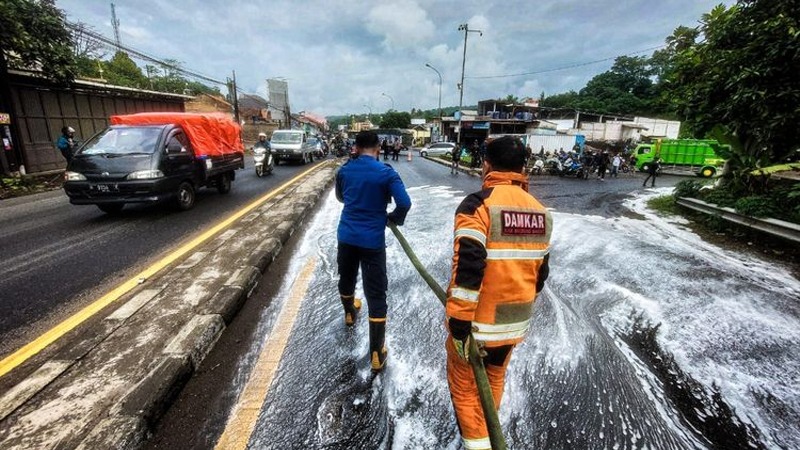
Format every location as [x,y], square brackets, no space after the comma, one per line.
[262,142]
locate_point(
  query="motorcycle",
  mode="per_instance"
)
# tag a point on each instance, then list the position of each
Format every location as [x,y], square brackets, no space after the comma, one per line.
[264,161]
[572,169]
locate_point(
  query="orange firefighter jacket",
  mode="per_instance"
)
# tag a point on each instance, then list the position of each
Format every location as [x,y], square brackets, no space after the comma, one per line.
[500,260]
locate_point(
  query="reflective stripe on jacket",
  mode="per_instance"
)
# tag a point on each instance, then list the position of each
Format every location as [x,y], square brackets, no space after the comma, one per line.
[500,258]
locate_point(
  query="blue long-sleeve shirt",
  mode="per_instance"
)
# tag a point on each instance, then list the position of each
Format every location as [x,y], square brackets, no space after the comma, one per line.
[365,186]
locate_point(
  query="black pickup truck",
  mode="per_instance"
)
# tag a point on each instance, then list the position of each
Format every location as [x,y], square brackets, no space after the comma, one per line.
[150,163]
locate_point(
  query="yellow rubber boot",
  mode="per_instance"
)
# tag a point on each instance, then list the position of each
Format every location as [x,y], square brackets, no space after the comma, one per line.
[351,307]
[377,347]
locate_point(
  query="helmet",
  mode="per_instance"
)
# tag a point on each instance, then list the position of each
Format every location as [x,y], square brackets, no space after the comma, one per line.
[262,134]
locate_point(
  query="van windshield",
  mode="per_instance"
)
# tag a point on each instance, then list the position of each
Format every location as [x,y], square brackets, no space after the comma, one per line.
[123,141]
[287,138]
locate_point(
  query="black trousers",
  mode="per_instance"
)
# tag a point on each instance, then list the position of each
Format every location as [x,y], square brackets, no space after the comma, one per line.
[373,275]
[649,176]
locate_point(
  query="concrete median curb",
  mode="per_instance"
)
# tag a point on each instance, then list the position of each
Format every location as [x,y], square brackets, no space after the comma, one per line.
[107,387]
[466,170]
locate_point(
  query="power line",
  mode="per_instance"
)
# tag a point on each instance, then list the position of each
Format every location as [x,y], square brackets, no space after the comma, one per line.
[571,66]
[140,54]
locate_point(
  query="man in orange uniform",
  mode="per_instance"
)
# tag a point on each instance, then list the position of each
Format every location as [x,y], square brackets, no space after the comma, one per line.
[500,264]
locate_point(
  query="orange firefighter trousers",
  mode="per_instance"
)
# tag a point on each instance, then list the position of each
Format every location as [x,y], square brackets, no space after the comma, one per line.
[464,390]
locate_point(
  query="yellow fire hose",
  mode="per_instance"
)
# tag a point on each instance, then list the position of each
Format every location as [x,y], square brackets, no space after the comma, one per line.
[484,390]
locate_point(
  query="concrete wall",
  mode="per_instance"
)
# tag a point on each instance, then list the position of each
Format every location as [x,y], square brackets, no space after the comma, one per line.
[552,143]
[659,127]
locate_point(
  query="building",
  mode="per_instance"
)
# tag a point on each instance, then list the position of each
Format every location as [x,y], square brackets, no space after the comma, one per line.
[355,127]
[254,108]
[309,122]
[207,103]
[40,108]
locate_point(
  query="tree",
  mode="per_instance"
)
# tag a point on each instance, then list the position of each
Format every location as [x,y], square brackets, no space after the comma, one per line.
[122,71]
[396,119]
[33,36]
[741,82]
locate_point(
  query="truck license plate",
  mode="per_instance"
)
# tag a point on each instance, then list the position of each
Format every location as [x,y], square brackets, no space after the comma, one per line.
[106,187]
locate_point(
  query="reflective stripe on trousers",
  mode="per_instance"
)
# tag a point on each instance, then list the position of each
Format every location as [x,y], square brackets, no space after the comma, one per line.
[477,444]
[492,332]
[494,254]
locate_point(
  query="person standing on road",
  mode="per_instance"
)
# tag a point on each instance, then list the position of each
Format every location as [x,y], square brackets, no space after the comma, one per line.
[365,186]
[602,165]
[455,155]
[500,264]
[652,172]
[385,149]
[615,163]
[398,145]
[66,143]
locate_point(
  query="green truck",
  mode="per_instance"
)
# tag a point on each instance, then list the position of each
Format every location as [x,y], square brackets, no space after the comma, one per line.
[700,156]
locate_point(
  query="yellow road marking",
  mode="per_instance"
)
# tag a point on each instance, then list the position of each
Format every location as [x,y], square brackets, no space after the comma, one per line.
[40,343]
[245,414]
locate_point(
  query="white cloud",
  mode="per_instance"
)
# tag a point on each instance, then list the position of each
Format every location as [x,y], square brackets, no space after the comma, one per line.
[402,24]
[342,54]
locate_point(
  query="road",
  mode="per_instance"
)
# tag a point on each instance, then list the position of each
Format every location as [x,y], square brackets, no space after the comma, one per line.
[645,337]
[57,257]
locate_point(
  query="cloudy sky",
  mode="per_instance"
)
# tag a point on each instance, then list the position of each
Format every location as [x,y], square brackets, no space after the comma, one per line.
[340,55]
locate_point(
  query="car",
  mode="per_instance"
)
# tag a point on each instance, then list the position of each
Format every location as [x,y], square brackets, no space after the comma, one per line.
[291,145]
[438,149]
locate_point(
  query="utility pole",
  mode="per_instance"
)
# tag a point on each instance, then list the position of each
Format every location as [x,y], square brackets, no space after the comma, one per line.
[233,96]
[465,28]
[115,24]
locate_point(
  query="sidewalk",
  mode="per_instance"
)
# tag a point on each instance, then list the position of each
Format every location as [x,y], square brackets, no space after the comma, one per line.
[107,388]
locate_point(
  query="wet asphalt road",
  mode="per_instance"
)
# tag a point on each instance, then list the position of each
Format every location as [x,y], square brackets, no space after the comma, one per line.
[58,257]
[645,337]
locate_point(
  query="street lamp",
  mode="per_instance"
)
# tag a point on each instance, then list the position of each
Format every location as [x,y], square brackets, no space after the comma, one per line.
[389,97]
[440,91]
[465,28]
[369,117]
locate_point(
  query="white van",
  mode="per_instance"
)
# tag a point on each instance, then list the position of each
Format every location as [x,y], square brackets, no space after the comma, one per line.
[291,145]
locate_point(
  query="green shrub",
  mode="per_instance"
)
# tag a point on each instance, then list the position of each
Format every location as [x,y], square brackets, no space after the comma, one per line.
[688,188]
[664,204]
[757,206]
[718,196]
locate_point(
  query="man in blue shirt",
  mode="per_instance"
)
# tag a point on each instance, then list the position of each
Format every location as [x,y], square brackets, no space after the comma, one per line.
[365,186]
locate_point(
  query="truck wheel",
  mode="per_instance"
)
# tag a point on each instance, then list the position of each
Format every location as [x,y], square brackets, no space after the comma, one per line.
[111,208]
[707,172]
[185,199]
[223,183]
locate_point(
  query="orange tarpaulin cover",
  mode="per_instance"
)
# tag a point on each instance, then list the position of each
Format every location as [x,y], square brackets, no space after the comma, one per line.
[210,134]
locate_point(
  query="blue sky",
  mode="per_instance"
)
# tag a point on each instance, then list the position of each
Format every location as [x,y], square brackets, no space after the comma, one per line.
[340,55]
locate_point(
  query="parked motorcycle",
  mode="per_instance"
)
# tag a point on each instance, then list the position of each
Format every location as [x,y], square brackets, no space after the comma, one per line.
[572,169]
[264,161]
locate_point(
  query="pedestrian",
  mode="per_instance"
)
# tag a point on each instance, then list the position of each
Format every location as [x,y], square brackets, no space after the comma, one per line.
[500,264]
[66,143]
[528,156]
[365,185]
[455,155]
[398,145]
[541,152]
[652,172]
[615,163]
[602,164]
[385,148]
[633,163]
[482,149]
[586,160]
[475,154]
